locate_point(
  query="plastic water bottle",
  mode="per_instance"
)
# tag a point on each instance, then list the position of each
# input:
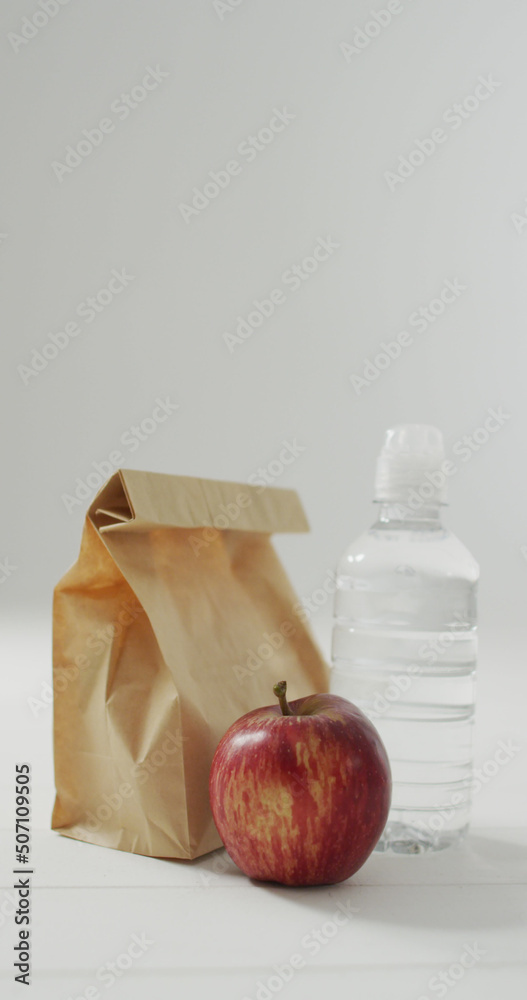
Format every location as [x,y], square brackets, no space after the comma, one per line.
[404,642]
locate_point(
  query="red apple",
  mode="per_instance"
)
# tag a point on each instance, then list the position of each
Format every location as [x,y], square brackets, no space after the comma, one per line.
[300,793]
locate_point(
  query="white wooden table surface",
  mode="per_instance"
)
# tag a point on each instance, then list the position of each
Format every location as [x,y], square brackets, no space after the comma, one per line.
[203,930]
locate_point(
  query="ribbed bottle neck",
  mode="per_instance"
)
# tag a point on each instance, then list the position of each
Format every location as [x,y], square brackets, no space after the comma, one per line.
[398,512]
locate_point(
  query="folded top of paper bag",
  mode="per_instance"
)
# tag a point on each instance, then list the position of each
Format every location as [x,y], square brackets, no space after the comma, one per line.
[133,500]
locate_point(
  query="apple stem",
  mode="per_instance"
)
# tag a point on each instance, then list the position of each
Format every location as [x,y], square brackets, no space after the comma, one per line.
[280,692]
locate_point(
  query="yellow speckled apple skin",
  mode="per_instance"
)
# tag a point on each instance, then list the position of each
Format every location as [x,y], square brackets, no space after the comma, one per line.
[301,799]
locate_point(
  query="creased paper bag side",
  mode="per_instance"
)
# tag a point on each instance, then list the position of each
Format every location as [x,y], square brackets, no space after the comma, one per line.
[117,725]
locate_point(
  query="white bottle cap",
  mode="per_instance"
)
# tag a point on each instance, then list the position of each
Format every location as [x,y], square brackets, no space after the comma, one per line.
[409,463]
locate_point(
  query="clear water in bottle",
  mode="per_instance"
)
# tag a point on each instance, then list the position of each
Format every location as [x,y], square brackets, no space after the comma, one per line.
[404,646]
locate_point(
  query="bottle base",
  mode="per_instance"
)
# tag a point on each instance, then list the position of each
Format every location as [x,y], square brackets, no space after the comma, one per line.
[402,838]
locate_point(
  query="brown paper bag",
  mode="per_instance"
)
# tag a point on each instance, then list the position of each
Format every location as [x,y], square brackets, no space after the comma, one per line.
[166,630]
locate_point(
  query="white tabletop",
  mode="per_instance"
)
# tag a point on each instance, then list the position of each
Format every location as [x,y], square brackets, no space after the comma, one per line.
[408,927]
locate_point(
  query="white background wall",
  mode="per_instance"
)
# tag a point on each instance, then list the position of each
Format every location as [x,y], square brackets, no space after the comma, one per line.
[323,175]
